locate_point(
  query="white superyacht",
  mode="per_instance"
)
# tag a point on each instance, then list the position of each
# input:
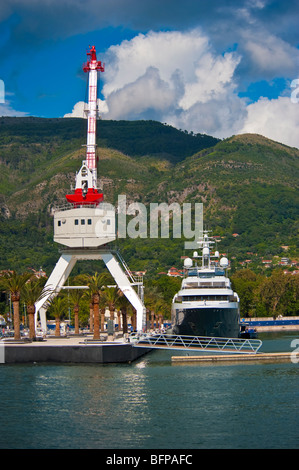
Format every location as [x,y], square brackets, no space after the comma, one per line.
[206,304]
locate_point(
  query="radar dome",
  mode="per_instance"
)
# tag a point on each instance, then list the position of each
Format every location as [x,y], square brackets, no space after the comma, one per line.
[217,254]
[188,263]
[205,251]
[224,262]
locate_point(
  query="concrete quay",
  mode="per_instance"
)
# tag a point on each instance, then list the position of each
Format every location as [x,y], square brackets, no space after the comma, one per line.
[259,357]
[70,350]
[275,328]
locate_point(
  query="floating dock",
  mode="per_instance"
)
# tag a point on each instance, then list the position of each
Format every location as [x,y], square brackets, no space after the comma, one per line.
[69,350]
[259,357]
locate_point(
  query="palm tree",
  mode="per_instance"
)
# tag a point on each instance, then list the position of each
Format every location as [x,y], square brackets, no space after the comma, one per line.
[161,308]
[111,296]
[13,283]
[91,316]
[57,307]
[102,306]
[32,292]
[152,298]
[75,297]
[134,319]
[123,304]
[95,284]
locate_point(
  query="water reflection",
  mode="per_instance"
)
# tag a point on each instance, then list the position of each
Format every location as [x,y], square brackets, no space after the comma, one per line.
[150,404]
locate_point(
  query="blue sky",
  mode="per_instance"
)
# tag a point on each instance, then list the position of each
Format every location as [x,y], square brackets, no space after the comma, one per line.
[221,67]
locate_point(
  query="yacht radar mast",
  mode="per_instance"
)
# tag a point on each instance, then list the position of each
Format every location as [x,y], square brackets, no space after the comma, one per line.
[204,243]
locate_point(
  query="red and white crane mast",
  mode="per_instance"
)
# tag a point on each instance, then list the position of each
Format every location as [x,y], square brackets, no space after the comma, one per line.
[86,191]
[92,67]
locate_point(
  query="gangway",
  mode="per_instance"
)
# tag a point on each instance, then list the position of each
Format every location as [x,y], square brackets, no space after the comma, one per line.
[196,343]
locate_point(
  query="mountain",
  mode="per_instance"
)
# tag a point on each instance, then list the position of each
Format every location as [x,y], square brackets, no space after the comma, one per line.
[247,183]
[249,186]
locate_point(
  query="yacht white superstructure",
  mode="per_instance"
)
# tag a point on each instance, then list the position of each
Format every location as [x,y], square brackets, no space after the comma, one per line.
[206,305]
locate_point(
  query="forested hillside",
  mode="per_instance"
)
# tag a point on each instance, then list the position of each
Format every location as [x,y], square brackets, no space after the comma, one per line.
[248,185]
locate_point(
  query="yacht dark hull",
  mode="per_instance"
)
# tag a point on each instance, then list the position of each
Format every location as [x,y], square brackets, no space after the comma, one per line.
[215,322]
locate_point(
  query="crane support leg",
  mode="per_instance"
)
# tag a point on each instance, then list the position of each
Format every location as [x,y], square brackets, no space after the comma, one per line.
[55,282]
[127,289]
[63,269]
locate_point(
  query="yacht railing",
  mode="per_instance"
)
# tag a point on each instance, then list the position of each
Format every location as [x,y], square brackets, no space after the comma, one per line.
[196,343]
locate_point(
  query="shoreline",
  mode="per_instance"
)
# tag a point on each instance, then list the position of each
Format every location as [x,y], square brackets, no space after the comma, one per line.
[270,328]
[267,324]
[81,349]
[259,357]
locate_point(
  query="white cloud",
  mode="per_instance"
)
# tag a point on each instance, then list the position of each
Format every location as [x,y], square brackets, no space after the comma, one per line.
[166,51]
[270,56]
[148,94]
[159,71]
[78,110]
[219,117]
[81,106]
[277,119]
[166,76]
[7,110]
[180,79]
[213,74]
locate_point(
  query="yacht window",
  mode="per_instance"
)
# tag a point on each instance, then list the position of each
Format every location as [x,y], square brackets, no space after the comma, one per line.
[59,223]
[82,221]
[219,272]
[192,273]
[202,298]
[76,222]
[89,221]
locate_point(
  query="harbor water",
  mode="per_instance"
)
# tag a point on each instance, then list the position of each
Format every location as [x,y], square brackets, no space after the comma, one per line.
[153,404]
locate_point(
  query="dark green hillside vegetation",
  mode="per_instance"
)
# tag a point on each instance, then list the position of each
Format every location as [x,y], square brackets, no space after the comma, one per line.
[248,185]
[135,138]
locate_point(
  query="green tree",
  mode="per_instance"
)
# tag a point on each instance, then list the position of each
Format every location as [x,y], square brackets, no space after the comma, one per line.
[57,308]
[292,301]
[272,291]
[95,284]
[32,292]
[168,287]
[111,295]
[13,283]
[152,298]
[75,298]
[245,283]
[123,304]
